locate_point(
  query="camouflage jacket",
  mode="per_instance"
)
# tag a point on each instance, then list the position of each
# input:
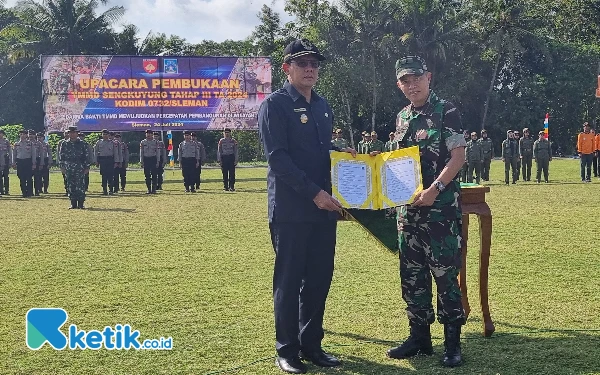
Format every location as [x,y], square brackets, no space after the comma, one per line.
[74,152]
[391,145]
[377,146]
[436,128]
[339,143]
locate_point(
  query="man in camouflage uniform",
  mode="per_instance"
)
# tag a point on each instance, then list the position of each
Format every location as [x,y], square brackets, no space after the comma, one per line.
[526,154]
[58,147]
[488,155]
[91,160]
[542,152]
[74,165]
[474,155]
[339,141]
[376,145]
[510,155]
[5,161]
[430,228]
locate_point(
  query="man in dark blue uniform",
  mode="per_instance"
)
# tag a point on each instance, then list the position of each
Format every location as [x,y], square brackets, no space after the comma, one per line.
[295,126]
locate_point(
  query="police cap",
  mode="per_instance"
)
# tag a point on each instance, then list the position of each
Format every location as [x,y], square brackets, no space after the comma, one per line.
[301,47]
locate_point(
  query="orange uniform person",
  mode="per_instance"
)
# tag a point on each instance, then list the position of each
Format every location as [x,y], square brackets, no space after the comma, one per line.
[585,148]
[597,154]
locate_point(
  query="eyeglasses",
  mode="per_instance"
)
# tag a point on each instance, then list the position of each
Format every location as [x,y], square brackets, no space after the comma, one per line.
[304,63]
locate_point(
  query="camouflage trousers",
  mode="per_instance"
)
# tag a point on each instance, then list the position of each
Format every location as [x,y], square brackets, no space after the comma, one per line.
[426,250]
[75,180]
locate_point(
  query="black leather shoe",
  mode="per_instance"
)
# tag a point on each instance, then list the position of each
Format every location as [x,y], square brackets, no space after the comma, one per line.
[291,365]
[419,342]
[320,358]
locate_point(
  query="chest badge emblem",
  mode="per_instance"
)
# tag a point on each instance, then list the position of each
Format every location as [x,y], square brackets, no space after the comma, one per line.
[304,118]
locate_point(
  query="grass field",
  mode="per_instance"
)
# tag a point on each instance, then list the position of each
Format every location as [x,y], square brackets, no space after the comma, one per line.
[198,268]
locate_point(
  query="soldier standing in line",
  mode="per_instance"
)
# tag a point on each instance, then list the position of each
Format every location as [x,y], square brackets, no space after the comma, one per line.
[37,172]
[45,158]
[227,156]
[391,145]
[517,137]
[366,146]
[162,160]
[339,141]
[376,144]
[60,143]
[149,159]
[188,156]
[542,152]
[122,171]
[118,161]
[202,153]
[361,143]
[474,156]
[526,154]
[74,164]
[5,162]
[107,156]
[465,168]
[198,169]
[24,156]
[90,161]
[510,154]
[488,154]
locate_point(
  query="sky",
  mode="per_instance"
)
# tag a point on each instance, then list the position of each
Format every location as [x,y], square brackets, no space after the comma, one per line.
[194,20]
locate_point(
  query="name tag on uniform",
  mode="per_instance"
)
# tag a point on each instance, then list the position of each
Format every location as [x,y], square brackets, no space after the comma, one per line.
[299,109]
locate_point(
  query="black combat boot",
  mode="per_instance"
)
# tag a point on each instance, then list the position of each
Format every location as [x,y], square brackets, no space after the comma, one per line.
[452,355]
[419,342]
[73,204]
[80,204]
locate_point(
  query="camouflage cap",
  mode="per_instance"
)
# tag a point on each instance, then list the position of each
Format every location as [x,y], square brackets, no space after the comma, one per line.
[410,65]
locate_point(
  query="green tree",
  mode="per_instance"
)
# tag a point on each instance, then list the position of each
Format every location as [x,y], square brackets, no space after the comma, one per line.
[508,28]
[12,132]
[62,27]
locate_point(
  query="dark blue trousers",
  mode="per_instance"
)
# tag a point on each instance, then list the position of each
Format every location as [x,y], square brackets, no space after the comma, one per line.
[304,255]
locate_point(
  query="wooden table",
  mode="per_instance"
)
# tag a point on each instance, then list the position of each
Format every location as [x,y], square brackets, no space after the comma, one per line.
[473,202]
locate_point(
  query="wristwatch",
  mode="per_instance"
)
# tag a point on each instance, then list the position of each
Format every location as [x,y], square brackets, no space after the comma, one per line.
[439,186]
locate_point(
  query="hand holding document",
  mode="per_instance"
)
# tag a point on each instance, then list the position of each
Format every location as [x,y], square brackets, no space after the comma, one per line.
[367,182]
